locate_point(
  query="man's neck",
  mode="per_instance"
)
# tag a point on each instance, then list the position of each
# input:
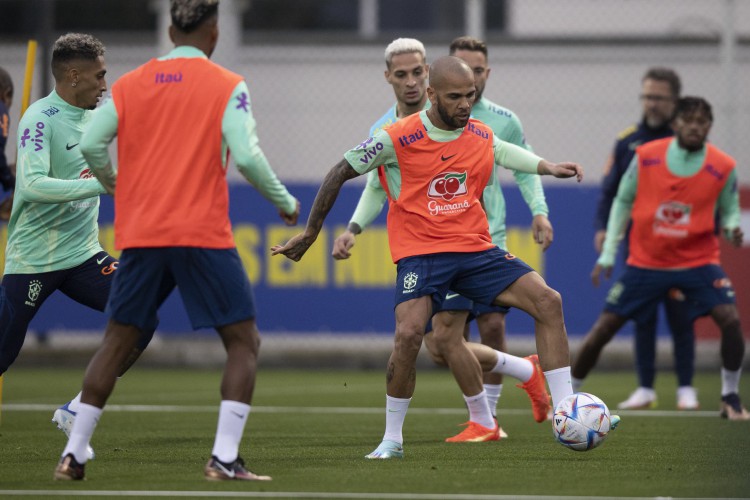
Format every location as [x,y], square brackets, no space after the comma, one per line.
[403,109]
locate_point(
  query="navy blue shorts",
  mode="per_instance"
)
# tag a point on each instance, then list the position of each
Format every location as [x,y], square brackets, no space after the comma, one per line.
[639,291]
[457,302]
[212,283]
[478,276]
[87,283]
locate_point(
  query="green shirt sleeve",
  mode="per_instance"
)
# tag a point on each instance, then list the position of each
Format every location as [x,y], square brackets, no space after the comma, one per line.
[532,192]
[619,215]
[97,136]
[239,131]
[515,157]
[375,151]
[371,201]
[33,182]
[729,204]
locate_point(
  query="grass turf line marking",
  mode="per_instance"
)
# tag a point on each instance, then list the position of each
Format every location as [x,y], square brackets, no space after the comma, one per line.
[307,494]
[342,410]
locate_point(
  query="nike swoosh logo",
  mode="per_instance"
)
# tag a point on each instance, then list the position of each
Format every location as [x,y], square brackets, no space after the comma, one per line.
[229,473]
[451,296]
[445,158]
[71,147]
[99,261]
[238,415]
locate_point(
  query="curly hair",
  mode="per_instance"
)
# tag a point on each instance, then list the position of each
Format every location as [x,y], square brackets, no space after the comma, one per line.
[74,46]
[188,15]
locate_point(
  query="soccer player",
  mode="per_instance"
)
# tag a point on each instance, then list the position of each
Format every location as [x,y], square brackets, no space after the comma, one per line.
[437,163]
[455,309]
[7,179]
[672,191]
[172,221]
[53,235]
[660,90]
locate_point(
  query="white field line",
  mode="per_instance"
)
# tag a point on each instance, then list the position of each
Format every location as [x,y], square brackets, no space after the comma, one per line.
[334,410]
[303,494]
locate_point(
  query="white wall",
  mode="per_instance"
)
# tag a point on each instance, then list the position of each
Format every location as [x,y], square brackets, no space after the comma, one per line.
[314,102]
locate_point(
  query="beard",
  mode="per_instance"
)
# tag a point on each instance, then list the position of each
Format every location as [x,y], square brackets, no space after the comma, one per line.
[449,120]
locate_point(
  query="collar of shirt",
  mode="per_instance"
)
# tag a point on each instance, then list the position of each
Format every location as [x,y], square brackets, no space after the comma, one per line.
[74,113]
[184,51]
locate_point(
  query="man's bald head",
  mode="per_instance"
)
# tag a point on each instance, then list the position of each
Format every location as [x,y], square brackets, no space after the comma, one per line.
[449,70]
[451,92]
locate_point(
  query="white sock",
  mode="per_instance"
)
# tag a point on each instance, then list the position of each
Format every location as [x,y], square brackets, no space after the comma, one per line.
[73,403]
[516,367]
[730,381]
[493,396]
[232,418]
[83,429]
[559,384]
[577,384]
[395,413]
[479,410]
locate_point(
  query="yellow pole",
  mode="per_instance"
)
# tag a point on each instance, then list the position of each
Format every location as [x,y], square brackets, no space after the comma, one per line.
[28,75]
[25,98]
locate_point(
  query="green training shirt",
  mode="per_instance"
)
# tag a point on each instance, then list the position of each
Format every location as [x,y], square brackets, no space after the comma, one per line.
[239,137]
[681,163]
[506,125]
[53,224]
[365,157]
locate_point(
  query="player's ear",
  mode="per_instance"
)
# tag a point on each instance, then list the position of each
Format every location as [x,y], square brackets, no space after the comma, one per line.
[72,74]
[172,34]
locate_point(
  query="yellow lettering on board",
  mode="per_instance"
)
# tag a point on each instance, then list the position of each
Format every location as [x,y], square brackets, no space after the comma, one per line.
[521,244]
[370,264]
[312,270]
[247,239]
[107,239]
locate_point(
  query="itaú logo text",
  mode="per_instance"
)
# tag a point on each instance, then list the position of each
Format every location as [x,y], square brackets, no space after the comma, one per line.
[447,185]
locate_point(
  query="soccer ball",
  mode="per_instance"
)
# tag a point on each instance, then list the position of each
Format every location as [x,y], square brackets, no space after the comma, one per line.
[581,421]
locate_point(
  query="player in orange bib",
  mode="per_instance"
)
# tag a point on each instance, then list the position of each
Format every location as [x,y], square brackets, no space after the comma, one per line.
[672,191]
[436,166]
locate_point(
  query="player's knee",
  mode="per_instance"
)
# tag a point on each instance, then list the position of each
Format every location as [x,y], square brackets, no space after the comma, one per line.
[407,339]
[548,303]
[730,325]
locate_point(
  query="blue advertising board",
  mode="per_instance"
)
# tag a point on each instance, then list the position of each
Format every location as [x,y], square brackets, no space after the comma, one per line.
[319,294]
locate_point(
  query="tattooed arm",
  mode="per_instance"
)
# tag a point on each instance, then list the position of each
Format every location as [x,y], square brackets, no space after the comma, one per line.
[296,247]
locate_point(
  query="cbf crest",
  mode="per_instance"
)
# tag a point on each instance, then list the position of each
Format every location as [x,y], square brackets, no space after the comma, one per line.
[410,282]
[35,288]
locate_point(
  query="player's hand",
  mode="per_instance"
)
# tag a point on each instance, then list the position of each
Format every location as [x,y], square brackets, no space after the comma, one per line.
[342,245]
[290,219]
[542,230]
[295,248]
[598,271]
[6,206]
[562,170]
[599,237]
[735,237]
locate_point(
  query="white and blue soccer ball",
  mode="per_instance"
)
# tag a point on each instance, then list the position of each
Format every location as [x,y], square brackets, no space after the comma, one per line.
[581,421]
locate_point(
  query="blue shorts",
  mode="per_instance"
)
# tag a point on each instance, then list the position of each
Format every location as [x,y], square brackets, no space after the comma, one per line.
[212,283]
[478,276]
[639,291]
[457,302]
[22,296]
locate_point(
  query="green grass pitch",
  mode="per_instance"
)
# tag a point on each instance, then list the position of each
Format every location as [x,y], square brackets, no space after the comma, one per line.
[311,429]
